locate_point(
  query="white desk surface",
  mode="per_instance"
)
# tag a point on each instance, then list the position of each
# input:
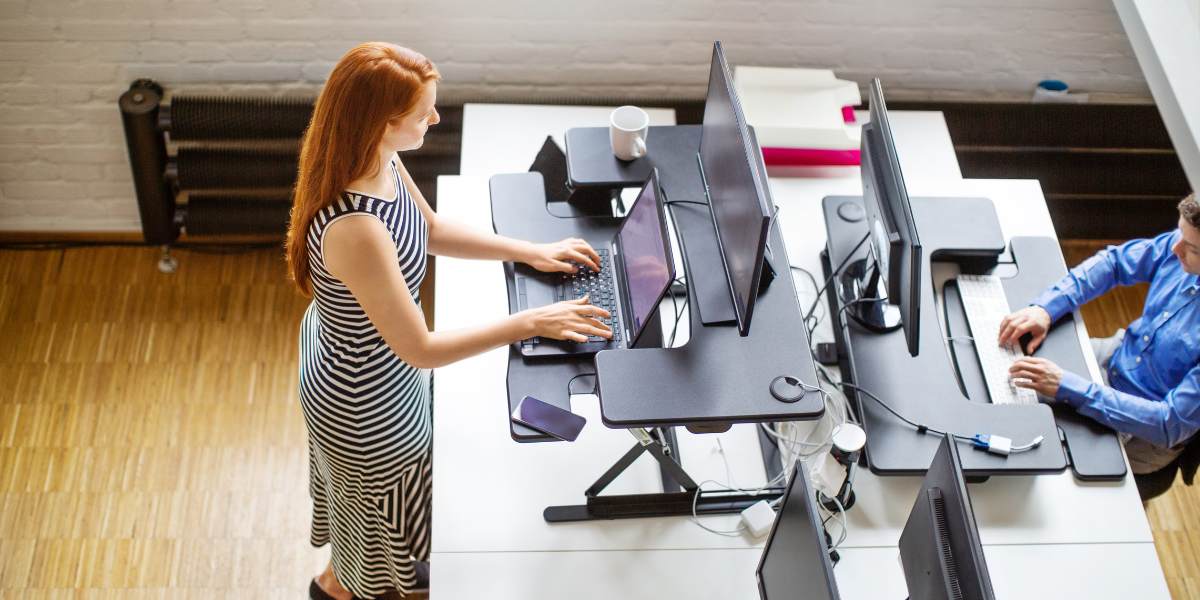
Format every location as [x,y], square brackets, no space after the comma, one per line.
[1018,573]
[489,491]
[504,138]
[926,151]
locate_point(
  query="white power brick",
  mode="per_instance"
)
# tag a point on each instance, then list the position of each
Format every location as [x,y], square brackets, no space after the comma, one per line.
[759,518]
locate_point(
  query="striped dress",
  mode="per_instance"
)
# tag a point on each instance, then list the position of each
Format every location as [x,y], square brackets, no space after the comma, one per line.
[368,414]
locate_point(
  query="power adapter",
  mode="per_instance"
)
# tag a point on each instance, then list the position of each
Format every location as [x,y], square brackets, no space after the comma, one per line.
[759,518]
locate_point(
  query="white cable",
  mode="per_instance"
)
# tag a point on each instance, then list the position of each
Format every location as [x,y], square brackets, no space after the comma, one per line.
[732,485]
[696,518]
[841,512]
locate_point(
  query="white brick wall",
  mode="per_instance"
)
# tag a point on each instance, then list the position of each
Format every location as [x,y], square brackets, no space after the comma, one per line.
[64,63]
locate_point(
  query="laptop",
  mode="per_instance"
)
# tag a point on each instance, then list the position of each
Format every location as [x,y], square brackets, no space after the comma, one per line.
[636,271]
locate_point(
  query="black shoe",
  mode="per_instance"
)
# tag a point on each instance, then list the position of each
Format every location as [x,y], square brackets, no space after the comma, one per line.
[316,593]
[422,569]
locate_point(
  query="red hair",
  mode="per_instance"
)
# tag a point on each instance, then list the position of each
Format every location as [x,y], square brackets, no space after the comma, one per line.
[372,84]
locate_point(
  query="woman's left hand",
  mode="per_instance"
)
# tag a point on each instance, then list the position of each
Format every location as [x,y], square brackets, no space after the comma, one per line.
[563,256]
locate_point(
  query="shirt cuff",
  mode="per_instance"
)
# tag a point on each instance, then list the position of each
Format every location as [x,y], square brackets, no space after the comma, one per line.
[1074,389]
[1055,304]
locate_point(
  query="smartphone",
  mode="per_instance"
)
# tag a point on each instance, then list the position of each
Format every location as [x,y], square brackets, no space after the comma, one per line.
[549,419]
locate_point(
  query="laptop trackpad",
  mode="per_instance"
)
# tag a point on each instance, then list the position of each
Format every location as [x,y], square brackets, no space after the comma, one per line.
[536,293]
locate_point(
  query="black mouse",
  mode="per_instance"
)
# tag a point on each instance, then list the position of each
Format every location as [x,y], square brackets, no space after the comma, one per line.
[1024,341]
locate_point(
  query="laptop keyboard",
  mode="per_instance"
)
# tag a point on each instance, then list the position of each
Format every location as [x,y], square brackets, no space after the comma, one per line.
[600,290]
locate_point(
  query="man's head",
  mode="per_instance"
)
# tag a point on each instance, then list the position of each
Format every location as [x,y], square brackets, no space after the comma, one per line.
[1188,246]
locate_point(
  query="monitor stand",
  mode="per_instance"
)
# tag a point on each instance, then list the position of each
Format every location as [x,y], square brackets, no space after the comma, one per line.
[864,296]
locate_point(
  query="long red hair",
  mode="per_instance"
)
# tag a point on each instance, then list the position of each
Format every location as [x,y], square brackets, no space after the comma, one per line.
[373,83]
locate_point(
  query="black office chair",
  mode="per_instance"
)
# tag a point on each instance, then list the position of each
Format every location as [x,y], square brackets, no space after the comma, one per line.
[1151,485]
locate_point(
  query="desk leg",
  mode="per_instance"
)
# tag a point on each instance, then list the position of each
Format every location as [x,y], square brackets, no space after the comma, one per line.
[772,458]
[661,444]
[671,477]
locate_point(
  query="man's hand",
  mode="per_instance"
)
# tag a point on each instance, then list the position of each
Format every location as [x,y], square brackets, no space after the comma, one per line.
[562,256]
[1033,320]
[1037,374]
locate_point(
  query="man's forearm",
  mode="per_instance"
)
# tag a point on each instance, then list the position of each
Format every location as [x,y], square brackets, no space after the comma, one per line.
[1150,420]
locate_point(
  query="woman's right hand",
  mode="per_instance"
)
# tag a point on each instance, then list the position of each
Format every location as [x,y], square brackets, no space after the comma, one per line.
[572,320]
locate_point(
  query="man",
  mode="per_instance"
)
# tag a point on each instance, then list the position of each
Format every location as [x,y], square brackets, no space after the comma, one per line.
[1151,370]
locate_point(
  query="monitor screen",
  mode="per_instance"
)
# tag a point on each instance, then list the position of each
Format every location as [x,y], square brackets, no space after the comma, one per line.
[940,549]
[737,188]
[795,563]
[892,227]
[645,255]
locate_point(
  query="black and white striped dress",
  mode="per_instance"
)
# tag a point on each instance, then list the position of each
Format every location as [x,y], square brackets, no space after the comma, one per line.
[368,414]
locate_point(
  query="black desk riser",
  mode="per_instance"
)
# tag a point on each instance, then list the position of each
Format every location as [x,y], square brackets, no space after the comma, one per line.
[716,379]
[947,391]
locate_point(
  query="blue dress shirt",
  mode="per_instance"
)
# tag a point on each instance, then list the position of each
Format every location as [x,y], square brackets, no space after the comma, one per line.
[1155,374]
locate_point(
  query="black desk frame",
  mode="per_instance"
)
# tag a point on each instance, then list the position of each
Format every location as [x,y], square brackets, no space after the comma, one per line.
[948,394]
[717,379]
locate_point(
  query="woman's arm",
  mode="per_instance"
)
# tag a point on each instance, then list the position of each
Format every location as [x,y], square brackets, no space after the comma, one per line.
[450,238]
[358,251]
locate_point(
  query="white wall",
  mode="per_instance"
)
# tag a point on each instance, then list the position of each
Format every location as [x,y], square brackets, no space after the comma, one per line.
[64,63]
[1166,38]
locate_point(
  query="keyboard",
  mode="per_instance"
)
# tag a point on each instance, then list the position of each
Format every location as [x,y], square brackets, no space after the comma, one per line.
[986,305]
[599,287]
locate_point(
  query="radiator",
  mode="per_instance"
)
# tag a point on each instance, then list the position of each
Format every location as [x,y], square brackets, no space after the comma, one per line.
[211,166]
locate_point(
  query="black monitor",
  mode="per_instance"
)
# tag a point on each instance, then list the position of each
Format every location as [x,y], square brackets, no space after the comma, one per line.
[795,562]
[891,277]
[939,547]
[738,195]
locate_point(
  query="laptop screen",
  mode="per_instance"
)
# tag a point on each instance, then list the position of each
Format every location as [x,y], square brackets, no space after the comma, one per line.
[646,256]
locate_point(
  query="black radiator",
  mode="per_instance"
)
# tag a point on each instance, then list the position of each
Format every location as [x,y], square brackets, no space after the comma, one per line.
[226,166]
[233,165]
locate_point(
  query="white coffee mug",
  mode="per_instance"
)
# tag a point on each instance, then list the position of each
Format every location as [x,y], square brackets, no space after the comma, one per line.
[628,127]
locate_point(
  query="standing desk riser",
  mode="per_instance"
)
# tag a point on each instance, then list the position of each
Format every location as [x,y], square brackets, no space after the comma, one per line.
[928,388]
[716,379]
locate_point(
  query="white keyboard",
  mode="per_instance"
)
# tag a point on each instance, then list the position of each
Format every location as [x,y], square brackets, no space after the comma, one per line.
[986,305]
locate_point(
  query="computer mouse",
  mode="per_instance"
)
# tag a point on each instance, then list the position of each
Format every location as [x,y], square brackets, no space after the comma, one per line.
[1024,341]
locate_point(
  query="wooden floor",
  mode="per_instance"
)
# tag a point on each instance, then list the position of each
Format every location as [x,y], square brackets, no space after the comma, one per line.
[151,443]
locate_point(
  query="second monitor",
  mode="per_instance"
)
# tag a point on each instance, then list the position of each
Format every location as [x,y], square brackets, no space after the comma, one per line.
[735,181]
[883,291]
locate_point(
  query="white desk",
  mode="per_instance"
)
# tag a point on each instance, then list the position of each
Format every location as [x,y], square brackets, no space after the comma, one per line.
[489,539]
[504,138]
[1017,572]
[928,152]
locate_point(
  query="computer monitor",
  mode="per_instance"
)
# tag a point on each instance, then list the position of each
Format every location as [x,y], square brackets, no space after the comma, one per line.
[891,277]
[939,547]
[645,256]
[795,562]
[738,195]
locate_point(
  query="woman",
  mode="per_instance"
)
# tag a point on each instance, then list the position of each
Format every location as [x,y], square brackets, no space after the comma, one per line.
[357,242]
